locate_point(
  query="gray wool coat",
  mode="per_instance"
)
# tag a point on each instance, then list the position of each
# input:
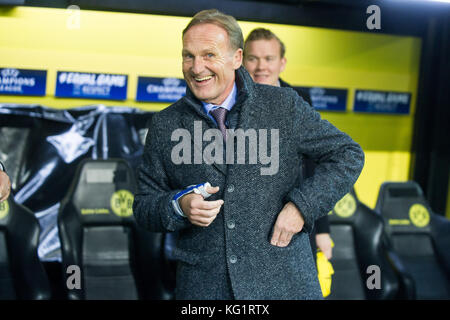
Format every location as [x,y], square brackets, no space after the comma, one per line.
[237,242]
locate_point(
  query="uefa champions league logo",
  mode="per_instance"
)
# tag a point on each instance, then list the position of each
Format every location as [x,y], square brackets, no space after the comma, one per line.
[171,82]
[316,91]
[13,73]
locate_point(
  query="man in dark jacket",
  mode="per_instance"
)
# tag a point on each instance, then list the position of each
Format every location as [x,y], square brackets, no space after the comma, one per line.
[264,59]
[246,235]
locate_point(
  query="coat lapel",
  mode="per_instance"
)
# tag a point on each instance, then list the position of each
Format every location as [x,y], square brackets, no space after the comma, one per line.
[249,115]
[189,123]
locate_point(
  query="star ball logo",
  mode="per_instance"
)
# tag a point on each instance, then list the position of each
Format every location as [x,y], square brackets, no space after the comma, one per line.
[316,91]
[171,82]
[13,73]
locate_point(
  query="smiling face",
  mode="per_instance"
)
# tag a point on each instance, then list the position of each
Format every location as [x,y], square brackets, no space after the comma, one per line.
[263,61]
[209,62]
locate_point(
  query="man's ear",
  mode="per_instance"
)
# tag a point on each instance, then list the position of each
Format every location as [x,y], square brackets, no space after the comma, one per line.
[237,58]
[283,64]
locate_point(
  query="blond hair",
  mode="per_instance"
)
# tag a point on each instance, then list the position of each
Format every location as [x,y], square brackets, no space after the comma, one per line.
[264,34]
[222,20]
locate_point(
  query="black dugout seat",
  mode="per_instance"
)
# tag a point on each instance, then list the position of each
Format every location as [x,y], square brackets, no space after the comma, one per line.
[22,276]
[357,232]
[117,259]
[419,237]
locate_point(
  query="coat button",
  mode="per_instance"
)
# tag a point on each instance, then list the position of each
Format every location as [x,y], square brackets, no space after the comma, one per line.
[233,259]
[231,224]
[230,188]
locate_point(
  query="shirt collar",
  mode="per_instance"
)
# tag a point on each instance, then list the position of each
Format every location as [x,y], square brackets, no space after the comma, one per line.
[227,104]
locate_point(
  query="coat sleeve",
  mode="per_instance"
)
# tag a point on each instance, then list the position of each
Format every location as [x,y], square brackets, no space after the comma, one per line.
[339,163]
[322,225]
[152,204]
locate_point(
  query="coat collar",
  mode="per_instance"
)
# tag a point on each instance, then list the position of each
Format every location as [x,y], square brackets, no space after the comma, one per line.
[283,83]
[245,88]
[245,96]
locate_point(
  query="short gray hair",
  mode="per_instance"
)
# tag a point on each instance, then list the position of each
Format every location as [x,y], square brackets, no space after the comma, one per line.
[222,20]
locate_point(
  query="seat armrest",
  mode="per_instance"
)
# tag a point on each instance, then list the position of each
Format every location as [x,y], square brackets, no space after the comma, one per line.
[407,287]
[441,239]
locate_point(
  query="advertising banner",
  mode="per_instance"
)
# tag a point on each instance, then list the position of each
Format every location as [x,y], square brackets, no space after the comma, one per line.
[160,89]
[91,85]
[22,82]
[382,102]
[327,99]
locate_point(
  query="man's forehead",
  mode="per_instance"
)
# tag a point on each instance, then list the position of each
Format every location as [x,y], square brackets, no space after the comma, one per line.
[209,39]
[267,44]
[206,32]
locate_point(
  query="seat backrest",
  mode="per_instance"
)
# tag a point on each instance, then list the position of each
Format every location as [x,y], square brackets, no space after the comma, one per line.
[98,234]
[408,222]
[356,232]
[22,275]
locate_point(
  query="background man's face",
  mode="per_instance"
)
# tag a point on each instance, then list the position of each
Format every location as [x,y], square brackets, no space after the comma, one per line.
[263,61]
[209,62]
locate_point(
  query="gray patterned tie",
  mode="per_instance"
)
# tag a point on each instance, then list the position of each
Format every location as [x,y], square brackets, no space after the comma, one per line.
[220,114]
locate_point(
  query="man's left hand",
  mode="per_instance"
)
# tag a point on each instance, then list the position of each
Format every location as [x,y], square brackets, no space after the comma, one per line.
[289,222]
[325,244]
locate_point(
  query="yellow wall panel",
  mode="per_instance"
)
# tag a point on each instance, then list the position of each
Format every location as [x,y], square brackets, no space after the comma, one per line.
[380,167]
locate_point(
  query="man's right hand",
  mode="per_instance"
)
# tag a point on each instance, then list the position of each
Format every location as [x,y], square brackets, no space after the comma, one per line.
[199,211]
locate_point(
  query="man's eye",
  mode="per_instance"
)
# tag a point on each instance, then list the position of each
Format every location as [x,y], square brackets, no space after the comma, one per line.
[210,55]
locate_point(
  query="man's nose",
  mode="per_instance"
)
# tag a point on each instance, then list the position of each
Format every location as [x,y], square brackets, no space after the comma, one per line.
[261,64]
[198,65]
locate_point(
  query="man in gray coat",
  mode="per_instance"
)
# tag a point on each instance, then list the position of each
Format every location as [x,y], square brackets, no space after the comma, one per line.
[264,59]
[246,237]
